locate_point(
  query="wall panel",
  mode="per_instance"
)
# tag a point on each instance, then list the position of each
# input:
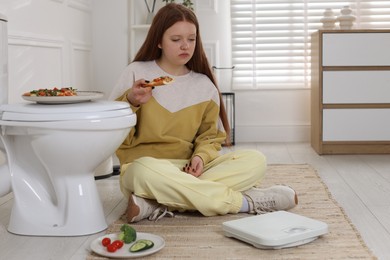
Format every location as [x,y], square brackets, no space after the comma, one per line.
[81,57]
[49,44]
[34,62]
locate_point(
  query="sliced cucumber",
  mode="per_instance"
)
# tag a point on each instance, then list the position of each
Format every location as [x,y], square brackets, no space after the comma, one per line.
[147,241]
[141,245]
[138,246]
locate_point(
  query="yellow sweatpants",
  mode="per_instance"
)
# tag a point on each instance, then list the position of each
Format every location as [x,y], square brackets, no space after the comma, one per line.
[216,192]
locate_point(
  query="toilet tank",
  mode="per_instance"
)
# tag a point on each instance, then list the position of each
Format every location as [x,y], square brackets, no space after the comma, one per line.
[3,60]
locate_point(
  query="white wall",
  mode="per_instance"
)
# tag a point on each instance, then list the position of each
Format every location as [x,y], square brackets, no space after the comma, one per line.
[49,44]
[78,43]
[273,116]
[110,42]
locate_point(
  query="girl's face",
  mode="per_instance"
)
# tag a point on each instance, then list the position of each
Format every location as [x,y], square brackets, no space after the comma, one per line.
[178,43]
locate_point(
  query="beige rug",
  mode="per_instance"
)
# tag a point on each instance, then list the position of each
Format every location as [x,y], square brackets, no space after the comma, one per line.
[191,236]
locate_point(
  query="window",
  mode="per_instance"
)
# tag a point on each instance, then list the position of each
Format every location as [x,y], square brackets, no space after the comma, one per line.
[271,38]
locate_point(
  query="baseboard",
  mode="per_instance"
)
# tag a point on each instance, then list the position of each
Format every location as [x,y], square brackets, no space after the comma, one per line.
[273,133]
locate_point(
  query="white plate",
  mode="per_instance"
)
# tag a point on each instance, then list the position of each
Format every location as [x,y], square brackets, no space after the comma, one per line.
[82,96]
[98,248]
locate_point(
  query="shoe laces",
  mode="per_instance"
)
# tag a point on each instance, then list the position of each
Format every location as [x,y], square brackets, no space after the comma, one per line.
[159,213]
[261,207]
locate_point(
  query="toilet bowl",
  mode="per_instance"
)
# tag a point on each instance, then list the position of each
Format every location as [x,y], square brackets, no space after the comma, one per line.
[52,152]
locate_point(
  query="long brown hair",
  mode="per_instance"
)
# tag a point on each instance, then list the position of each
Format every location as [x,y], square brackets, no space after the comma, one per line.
[164,19]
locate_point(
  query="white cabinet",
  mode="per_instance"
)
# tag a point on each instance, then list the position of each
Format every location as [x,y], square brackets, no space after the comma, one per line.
[356,124]
[356,87]
[357,48]
[350,97]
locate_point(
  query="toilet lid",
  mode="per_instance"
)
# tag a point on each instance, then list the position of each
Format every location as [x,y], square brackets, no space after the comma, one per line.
[32,112]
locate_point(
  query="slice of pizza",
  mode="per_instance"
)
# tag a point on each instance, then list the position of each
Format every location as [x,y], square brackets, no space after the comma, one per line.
[160,81]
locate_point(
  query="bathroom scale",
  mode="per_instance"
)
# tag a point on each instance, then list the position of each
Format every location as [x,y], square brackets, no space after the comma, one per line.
[275,230]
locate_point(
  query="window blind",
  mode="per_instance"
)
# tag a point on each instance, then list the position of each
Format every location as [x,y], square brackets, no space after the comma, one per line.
[271,38]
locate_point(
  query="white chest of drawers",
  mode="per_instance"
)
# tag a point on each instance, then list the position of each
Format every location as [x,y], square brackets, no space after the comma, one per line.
[350,91]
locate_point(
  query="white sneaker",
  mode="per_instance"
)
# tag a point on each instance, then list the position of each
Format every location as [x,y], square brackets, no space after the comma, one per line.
[139,208]
[274,198]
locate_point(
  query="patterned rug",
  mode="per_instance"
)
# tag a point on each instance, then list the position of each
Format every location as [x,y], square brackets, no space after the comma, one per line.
[192,236]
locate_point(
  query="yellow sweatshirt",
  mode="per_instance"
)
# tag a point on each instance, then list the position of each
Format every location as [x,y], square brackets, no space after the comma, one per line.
[180,121]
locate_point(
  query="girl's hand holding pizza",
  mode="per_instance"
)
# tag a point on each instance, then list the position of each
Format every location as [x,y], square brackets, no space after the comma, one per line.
[138,94]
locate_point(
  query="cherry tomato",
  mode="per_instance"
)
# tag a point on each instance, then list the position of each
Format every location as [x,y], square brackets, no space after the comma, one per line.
[112,248]
[118,243]
[106,241]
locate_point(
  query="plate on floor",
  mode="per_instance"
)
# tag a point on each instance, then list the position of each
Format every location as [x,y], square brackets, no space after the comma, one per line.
[82,96]
[98,248]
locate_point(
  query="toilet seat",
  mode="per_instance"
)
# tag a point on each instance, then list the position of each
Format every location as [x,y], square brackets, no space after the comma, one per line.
[32,112]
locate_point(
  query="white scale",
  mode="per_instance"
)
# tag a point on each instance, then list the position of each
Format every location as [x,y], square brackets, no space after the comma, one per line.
[275,230]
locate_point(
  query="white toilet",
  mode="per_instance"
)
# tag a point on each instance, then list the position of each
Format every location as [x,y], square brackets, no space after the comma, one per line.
[52,152]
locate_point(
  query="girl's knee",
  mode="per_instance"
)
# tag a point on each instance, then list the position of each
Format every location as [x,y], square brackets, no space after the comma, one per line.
[139,166]
[253,156]
[259,156]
